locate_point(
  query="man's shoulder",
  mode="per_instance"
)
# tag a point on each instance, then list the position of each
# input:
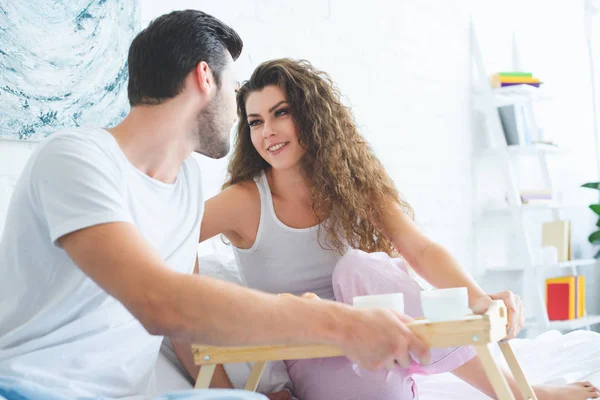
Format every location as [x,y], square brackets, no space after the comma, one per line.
[86,144]
[79,136]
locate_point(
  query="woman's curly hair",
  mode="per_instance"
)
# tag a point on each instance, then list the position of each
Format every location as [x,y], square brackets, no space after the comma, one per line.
[348,184]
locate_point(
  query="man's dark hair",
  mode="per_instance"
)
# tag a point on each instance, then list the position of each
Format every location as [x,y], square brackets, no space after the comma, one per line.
[162,55]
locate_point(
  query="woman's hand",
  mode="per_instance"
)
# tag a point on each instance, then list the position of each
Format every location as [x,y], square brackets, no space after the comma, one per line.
[514,307]
[307,296]
[281,395]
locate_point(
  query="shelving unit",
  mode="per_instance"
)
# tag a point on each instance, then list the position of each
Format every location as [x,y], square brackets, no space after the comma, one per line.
[505,96]
[538,148]
[526,268]
[532,207]
[565,264]
[575,324]
[535,149]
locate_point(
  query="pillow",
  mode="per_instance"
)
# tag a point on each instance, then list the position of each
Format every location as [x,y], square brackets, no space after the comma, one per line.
[216,259]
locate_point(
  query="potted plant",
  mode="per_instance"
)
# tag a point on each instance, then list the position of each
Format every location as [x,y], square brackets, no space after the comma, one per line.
[594,238]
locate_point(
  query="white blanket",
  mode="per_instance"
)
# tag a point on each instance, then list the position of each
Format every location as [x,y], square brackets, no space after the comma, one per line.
[550,358]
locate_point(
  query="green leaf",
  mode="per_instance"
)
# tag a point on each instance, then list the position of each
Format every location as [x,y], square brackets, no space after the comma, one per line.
[592,185]
[594,238]
[597,255]
[598,223]
[595,208]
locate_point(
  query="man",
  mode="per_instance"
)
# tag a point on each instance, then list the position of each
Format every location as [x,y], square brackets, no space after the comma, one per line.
[103,228]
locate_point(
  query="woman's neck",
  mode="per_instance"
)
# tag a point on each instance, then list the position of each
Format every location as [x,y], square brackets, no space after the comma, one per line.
[289,184]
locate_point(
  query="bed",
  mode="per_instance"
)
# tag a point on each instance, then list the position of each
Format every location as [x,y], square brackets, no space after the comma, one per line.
[565,357]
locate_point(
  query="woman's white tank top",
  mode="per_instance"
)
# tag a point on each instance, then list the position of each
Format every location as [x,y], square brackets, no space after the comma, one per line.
[284,259]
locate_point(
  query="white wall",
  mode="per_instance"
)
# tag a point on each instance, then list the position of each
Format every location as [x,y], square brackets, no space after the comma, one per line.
[403,67]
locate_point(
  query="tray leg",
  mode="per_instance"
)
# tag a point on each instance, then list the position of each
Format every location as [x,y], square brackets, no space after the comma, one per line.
[517,372]
[255,374]
[205,376]
[494,373]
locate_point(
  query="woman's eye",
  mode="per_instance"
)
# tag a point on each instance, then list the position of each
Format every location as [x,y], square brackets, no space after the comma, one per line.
[281,112]
[253,122]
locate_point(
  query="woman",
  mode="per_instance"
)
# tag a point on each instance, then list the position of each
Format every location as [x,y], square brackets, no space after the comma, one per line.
[308,207]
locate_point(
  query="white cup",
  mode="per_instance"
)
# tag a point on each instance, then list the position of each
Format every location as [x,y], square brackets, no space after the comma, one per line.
[394,301]
[445,304]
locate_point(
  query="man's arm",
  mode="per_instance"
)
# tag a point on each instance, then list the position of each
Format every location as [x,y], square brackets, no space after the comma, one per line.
[183,351]
[203,310]
[225,213]
[193,308]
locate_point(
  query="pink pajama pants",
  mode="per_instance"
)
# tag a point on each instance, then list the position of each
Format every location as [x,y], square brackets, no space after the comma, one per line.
[358,274]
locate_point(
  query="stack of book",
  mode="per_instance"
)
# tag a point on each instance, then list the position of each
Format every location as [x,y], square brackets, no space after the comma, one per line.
[502,79]
[565,298]
[542,196]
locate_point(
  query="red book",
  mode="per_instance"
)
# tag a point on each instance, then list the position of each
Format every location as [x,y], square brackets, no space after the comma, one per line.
[565,297]
[558,301]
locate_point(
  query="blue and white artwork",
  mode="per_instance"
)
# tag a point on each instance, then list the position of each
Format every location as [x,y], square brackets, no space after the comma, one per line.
[63,63]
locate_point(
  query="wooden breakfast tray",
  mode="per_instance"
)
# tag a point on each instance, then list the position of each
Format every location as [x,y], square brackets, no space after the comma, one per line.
[477,330]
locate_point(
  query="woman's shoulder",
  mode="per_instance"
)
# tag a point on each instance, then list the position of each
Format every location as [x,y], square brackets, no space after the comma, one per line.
[248,187]
[244,192]
[234,212]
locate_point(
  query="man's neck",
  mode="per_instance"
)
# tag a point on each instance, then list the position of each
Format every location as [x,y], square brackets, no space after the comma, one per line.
[154,141]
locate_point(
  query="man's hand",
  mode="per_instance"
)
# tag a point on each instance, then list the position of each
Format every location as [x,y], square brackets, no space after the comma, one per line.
[379,338]
[514,307]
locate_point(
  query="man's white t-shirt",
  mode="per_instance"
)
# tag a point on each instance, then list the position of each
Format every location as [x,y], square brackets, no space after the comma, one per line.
[57,327]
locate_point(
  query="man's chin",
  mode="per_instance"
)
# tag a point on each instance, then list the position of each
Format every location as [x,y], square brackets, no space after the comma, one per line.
[214,153]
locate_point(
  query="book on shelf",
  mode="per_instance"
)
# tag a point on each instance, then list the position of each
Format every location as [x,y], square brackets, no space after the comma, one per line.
[515,73]
[541,196]
[516,125]
[505,84]
[565,298]
[558,234]
[517,78]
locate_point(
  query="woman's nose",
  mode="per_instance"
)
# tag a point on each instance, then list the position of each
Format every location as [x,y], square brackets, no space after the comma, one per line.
[267,130]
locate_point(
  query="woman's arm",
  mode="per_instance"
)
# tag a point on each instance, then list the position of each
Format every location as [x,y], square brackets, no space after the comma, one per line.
[235,213]
[438,267]
[430,260]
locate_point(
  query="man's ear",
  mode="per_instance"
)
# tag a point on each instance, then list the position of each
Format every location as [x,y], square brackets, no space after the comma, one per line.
[204,77]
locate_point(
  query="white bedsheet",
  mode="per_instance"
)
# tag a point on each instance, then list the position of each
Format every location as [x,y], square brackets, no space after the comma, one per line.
[550,358]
